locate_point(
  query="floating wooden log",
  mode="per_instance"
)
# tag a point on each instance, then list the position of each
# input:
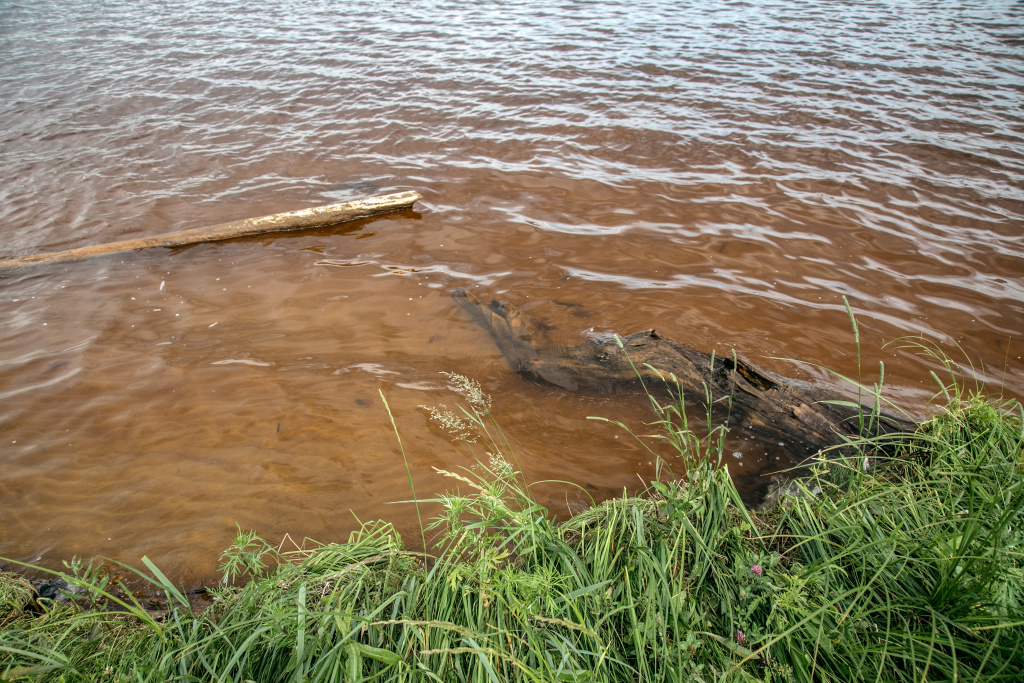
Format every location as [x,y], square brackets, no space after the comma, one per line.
[302,219]
[763,404]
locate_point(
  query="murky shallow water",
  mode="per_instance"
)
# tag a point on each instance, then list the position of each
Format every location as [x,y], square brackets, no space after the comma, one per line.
[724,176]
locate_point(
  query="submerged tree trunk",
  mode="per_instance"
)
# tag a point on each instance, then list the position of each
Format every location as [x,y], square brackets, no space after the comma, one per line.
[762,403]
[279,222]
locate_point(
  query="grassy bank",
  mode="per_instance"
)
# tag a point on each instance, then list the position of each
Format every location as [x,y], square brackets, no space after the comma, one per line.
[910,570]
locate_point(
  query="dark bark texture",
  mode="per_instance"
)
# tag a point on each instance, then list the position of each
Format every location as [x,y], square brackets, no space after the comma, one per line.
[764,404]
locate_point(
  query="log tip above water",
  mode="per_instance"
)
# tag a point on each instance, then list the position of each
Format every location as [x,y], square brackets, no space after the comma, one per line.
[301,219]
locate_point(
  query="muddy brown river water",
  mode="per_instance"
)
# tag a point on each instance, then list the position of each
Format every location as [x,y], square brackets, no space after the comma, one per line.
[722,172]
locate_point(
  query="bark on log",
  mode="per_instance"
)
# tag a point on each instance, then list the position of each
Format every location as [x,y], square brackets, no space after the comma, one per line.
[279,222]
[763,404]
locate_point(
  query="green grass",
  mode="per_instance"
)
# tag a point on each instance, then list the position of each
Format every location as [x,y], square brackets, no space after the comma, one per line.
[910,571]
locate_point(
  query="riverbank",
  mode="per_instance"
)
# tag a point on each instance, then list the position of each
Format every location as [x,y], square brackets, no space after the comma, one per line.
[908,570]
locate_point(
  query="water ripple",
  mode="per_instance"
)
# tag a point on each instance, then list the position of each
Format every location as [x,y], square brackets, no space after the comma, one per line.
[726,171]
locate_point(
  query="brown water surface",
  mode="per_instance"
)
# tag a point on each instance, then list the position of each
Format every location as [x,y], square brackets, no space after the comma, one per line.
[723,175]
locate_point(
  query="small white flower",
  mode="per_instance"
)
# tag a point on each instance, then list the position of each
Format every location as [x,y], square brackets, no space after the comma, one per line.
[471,389]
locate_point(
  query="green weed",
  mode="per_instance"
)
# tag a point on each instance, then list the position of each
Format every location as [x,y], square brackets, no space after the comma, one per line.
[909,571]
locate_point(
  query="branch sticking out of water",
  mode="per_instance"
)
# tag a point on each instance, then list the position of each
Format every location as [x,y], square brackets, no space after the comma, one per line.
[302,219]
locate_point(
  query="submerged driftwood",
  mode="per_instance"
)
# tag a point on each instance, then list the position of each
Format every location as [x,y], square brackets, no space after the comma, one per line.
[302,219]
[763,404]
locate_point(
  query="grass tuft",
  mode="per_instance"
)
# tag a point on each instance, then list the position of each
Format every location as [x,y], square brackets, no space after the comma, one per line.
[910,570]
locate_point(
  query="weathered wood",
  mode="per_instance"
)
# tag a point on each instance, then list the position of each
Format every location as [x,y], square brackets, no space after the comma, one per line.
[279,222]
[763,404]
